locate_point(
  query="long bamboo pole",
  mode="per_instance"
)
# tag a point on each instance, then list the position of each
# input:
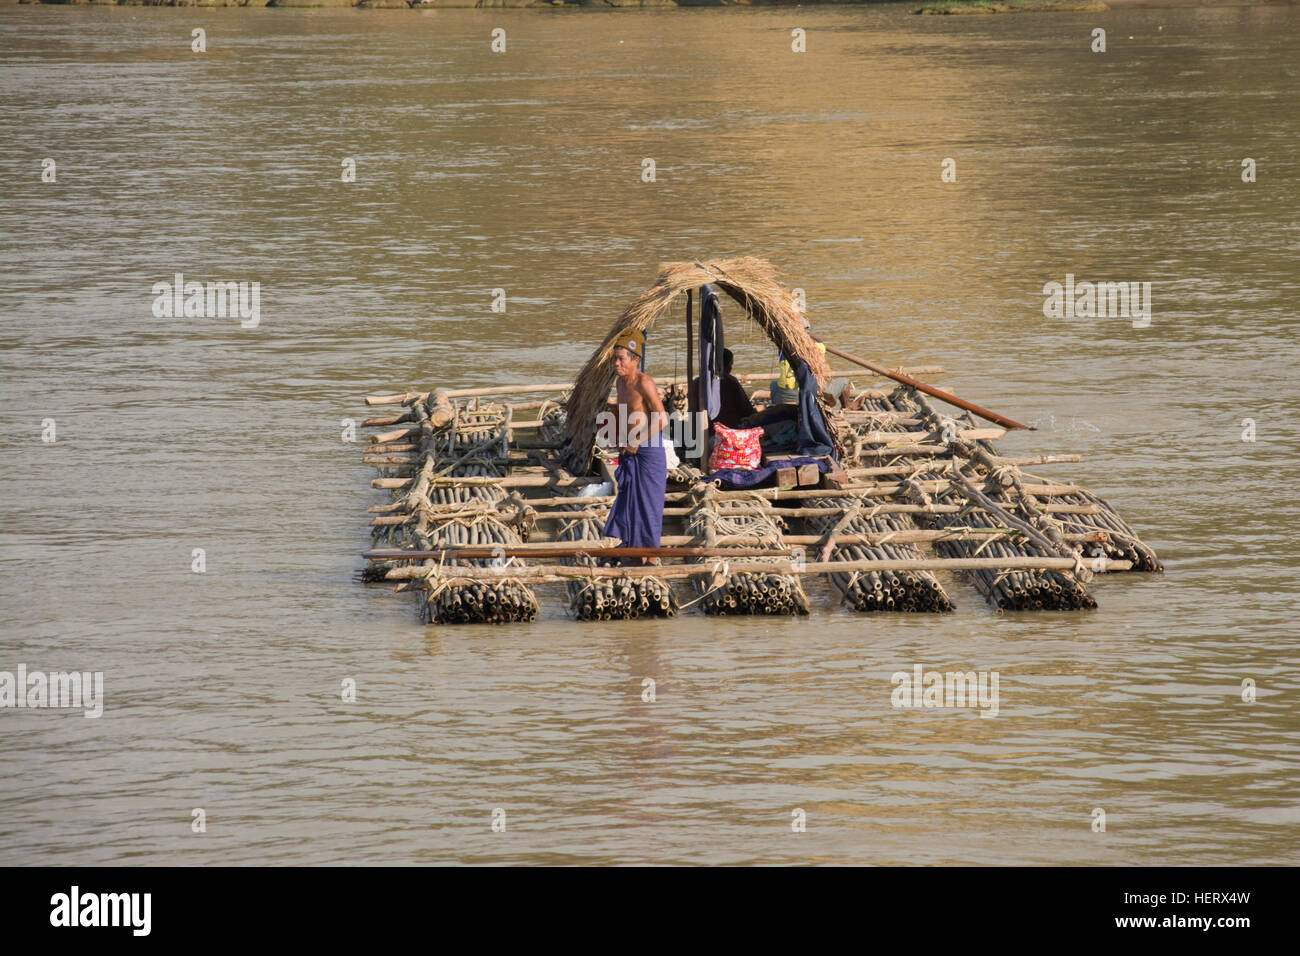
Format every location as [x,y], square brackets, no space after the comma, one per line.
[566,549]
[920,386]
[690,345]
[678,542]
[406,398]
[562,572]
[907,438]
[598,507]
[882,490]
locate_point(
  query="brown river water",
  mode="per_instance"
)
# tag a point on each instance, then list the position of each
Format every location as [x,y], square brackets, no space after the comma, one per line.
[522,171]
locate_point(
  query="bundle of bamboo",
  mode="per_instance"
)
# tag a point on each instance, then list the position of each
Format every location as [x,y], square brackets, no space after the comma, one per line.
[618,599]
[878,590]
[450,601]
[1015,590]
[1120,543]
[430,514]
[1041,534]
[744,521]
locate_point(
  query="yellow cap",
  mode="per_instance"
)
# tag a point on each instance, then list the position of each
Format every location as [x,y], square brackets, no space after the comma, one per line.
[633,340]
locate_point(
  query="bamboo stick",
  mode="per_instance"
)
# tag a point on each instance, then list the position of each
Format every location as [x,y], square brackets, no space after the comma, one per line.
[910,536]
[890,437]
[899,451]
[915,467]
[404,398]
[569,549]
[598,506]
[1035,460]
[560,572]
[395,435]
[887,489]
[864,417]
[391,447]
[407,398]
[387,420]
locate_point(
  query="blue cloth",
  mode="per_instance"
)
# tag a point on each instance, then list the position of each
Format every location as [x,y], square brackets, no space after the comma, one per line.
[781,434]
[752,477]
[813,438]
[637,518]
[710,352]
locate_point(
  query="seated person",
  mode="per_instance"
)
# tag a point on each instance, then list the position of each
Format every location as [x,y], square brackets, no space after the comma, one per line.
[784,389]
[736,407]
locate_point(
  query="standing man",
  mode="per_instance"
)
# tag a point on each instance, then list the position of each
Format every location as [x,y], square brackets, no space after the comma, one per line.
[637,517]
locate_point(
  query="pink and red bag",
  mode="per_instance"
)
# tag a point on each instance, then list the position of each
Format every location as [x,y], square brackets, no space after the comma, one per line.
[735,448]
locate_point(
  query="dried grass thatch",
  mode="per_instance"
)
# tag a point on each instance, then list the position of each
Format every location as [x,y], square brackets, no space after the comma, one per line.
[749,280]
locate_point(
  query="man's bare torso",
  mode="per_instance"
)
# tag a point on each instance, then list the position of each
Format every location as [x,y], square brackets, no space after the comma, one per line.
[640,397]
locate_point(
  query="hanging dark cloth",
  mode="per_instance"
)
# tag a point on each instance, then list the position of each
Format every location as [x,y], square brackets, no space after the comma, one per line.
[813,437]
[711,347]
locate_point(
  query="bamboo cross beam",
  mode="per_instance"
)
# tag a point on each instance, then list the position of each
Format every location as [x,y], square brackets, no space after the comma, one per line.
[884,490]
[849,373]
[387,420]
[392,447]
[859,417]
[601,502]
[408,398]
[558,573]
[521,481]
[744,377]
[1035,460]
[900,451]
[404,398]
[395,435]
[944,451]
[685,545]
[912,467]
[567,550]
[920,386]
[966,434]
[597,507]
[876,393]
[976,495]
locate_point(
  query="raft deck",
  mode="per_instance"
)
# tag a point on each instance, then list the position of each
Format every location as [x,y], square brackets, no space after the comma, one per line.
[481,512]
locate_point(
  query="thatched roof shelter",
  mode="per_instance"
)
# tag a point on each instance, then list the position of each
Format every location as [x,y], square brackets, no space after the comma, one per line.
[749,280]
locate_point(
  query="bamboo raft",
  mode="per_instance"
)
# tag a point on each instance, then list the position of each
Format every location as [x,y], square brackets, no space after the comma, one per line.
[486,504]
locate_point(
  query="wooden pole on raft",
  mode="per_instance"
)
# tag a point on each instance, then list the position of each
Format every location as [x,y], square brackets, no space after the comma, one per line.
[692,396]
[865,490]
[686,545]
[408,398]
[547,572]
[568,549]
[939,393]
[690,344]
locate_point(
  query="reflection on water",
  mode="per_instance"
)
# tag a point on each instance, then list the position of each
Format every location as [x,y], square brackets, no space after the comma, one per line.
[477,171]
